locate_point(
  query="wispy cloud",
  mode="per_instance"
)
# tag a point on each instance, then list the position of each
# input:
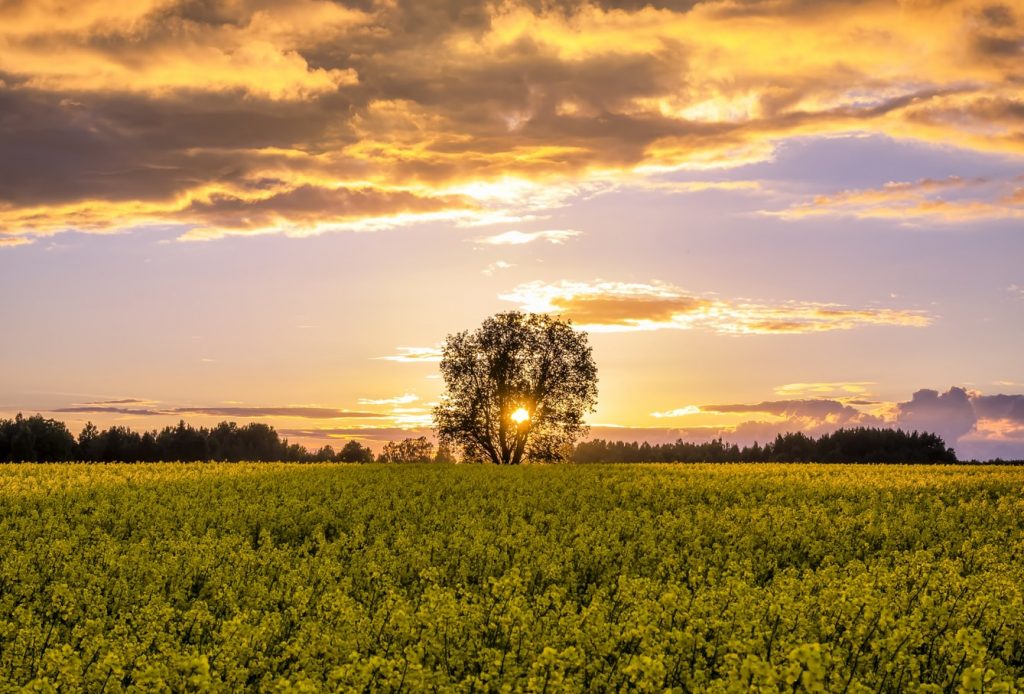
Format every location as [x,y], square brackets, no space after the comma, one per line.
[12,241]
[678,412]
[368,433]
[412,355]
[836,389]
[289,411]
[949,200]
[623,307]
[495,266]
[397,400]
[111,409]
[518,238]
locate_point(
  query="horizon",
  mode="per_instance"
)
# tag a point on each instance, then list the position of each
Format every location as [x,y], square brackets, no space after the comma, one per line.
[769,217]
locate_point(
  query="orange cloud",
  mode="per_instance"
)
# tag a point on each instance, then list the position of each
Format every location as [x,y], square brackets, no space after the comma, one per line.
[627,307]
[948,200]
[414,355]
[218,116]
[840,390]
[159,48]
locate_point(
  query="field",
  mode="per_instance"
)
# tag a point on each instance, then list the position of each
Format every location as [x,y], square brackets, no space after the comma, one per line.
[559,578]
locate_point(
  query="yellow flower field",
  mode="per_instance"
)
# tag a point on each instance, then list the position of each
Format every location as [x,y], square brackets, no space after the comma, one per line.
[771,577]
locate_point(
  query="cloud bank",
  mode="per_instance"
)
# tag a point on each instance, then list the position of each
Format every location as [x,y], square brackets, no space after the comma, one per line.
[307,116]
[976,425]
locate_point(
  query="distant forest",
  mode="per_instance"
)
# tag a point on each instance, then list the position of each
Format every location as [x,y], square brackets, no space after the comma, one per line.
[38,439]
[859,445]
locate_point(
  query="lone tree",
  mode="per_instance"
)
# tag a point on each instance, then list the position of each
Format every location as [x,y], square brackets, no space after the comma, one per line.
[517,386]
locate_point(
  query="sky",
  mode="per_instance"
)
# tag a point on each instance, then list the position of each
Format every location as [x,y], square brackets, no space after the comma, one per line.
[769,215]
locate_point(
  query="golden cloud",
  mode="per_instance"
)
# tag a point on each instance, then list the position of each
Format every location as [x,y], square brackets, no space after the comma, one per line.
[678,412]
[218,117]
[415,355]
[397,400]
[627,307]
[841,390]
[948,200]
[159,48]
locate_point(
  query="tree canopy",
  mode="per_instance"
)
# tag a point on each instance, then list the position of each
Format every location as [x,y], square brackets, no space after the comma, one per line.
[517,387]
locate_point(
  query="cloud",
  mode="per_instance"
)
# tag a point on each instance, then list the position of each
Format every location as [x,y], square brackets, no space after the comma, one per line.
[838,389]
[413,355]
[678,412]
[950,414]
[119,401]
[950,200]
[381,434]
[517,238]
[110,409]
[622,307]
[977,425]
[814,416]
[495,266]
[288,411]
[160,48]
[1007,407]
[12,241]
[230,118]
[397,400]
[310,210]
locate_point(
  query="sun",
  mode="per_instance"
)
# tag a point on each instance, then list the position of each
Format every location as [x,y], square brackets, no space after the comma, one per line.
[520,415]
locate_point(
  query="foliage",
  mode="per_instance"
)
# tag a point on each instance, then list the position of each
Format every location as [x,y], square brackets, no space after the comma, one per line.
[282,577]
[514,360]
[857,445]
[355,452]
[417,450]
[35,439]
[444,454]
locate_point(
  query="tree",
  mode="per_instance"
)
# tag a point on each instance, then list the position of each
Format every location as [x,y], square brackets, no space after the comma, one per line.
[444,454]
[355,452]
[35,439]
[417,450]
[517,386]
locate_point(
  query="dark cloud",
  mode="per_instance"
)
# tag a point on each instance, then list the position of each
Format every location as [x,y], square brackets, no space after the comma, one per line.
[286,411]
[307,206]
[950,414]
[1009,407]
[363,433]
[109,409]
[302,412]
[122,401]
[815,408]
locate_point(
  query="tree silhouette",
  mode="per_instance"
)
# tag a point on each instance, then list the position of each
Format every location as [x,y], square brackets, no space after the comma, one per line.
[517,387]
[417,450]
[355,452]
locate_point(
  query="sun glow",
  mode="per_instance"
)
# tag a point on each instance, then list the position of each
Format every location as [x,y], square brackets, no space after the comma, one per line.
[520,415]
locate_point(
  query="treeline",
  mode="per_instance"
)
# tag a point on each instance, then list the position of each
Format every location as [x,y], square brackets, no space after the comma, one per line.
[859,445]
[37,439]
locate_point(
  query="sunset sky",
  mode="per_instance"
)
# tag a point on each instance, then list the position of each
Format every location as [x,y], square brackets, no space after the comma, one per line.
[770,215]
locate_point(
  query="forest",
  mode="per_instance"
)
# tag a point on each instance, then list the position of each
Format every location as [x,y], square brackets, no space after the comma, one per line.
[40,439]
